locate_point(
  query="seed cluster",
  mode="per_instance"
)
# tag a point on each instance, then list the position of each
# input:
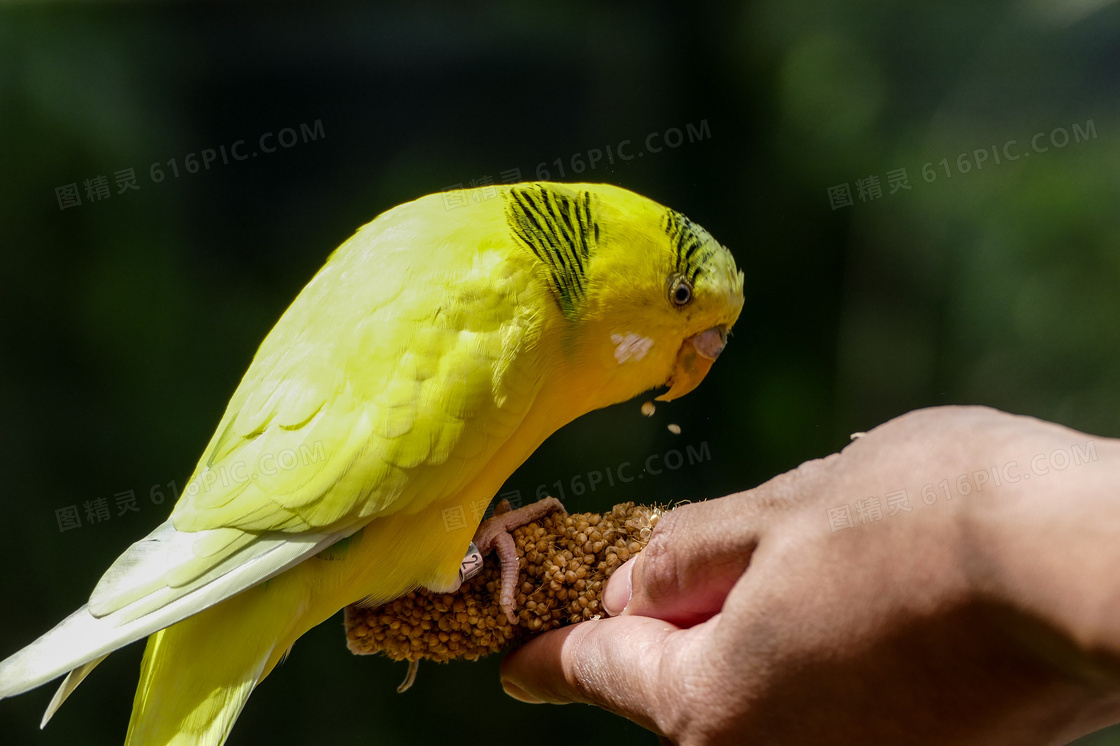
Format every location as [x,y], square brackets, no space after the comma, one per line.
[565,560]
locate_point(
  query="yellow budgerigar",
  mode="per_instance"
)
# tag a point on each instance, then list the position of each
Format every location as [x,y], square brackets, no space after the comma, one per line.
[429,357]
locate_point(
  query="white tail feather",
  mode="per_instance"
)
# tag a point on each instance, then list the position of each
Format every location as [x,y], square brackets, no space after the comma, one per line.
[69,684]
[83,637]
[167,564]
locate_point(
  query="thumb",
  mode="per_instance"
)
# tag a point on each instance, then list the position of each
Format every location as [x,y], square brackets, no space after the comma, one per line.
[696,554]
[616,664]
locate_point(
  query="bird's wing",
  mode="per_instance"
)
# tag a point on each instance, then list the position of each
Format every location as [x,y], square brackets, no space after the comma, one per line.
[353,407]
[362,392]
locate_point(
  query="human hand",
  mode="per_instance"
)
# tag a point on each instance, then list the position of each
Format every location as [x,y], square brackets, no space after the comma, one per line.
[988,617]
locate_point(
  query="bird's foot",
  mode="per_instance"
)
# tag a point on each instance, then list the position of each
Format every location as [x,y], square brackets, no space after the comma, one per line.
[494,534]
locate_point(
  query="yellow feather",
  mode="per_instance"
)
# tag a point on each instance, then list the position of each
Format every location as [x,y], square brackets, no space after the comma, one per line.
[428,358]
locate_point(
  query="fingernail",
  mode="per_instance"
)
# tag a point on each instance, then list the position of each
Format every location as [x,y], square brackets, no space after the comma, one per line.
[619,589]
[519,694]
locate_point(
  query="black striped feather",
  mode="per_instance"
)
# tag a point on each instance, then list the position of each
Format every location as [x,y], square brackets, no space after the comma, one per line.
[561,232]
[692,245]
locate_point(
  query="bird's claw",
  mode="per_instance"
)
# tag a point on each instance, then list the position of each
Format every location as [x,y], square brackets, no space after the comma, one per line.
[494,534]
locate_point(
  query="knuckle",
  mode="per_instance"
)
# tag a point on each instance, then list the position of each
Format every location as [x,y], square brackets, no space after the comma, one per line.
[656,572]
[787,492]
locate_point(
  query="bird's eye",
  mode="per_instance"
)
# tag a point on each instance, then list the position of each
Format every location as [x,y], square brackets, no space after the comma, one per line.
[680,291]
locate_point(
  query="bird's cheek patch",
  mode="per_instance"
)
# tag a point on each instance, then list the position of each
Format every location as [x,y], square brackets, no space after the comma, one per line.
[630,346]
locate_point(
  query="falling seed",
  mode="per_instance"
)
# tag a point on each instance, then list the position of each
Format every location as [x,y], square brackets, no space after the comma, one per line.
[857,435]
[675,429]
[648,409]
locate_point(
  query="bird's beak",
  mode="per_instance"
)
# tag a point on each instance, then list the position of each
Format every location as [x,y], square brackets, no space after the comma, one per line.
[694,360]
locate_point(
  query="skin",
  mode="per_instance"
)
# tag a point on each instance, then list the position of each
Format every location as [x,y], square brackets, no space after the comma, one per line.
[990,618]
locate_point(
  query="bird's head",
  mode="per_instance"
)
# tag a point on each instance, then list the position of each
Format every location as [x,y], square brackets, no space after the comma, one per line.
[647,296]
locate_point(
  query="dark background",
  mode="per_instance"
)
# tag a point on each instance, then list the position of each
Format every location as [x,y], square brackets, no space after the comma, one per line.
[126,322]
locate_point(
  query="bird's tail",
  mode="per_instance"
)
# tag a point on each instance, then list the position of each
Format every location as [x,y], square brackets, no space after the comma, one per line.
[198,674]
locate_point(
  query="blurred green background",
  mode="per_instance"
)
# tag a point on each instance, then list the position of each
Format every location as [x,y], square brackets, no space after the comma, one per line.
[128,320]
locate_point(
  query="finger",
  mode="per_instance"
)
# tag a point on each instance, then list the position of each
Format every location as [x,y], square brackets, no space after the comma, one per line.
[615,664]
[695,556]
